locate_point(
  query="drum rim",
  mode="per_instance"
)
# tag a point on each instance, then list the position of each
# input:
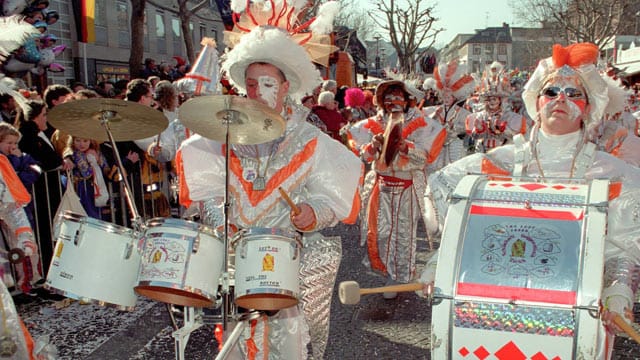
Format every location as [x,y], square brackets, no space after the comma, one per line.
[180,224]
[75,296]
[283,232]
[98,224]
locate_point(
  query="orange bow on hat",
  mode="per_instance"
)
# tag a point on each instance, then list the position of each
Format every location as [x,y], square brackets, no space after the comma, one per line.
[575,55]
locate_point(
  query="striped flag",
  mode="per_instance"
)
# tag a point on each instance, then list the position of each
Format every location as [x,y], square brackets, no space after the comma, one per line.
[85,14]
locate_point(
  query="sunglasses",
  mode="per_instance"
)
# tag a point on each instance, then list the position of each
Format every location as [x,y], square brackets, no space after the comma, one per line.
[553,92]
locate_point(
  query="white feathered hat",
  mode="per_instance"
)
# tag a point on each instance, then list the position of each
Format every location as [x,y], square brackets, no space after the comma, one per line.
[452,77]
[271,32]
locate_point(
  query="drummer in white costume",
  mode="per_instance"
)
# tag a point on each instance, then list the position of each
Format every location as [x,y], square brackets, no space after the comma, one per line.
[567,96]
[318,173]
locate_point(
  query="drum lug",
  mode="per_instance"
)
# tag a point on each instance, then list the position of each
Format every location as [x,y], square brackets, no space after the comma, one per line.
[296,250]
[128,250]
[243,249]
[437,296]
[196,244]
[593,309]
[79,235]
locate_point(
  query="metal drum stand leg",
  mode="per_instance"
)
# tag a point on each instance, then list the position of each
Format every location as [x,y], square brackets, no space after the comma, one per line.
[192,322]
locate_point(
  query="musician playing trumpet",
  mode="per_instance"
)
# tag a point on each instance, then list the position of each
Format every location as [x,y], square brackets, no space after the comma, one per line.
[397,143]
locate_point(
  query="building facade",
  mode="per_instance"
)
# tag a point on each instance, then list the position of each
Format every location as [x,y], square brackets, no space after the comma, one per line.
[108,57]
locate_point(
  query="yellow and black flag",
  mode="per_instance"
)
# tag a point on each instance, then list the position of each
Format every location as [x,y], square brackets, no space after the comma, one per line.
[84,12]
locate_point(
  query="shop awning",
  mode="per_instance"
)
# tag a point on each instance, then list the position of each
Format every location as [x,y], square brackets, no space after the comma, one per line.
[630,69]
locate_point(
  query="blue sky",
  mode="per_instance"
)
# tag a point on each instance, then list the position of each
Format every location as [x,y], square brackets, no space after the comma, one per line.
[464,16]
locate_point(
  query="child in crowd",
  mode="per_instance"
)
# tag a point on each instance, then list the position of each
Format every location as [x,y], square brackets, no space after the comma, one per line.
[88,180]
[29,272]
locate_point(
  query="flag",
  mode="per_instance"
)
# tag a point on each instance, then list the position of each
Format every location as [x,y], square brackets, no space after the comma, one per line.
[84,15]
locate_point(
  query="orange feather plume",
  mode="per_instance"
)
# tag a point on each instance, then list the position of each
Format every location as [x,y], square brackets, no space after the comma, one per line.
[575,55]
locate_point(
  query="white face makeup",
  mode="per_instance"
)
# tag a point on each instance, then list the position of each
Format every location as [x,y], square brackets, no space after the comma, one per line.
[560,114]
[268,88]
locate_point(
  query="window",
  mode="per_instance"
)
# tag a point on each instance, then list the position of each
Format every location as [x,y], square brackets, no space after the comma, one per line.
[488,49]
[502,49]
[122,11]
[203,32]
[161,41]
[146,29]
[101,23]
[176,39]
[477,50]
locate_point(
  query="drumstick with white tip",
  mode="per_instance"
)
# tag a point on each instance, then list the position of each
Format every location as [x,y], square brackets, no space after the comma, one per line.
[350,291]
[294,207]
[628,329]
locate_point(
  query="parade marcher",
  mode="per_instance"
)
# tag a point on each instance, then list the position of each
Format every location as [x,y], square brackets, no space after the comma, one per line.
[453,86]
[494,125]
[320,175]
[394,187]
[567,97]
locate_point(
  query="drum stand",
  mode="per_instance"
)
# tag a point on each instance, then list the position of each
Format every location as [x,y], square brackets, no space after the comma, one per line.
[192,321]
[136,221]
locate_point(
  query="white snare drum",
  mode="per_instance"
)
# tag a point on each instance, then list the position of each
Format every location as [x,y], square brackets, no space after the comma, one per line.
[520,270]
[181,262]
[94,261]
[267,262]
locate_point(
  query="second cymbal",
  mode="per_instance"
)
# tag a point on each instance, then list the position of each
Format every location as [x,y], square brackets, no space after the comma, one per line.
[249,122]
[127,120]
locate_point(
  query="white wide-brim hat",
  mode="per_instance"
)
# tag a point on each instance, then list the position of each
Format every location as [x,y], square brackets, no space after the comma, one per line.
[272,45]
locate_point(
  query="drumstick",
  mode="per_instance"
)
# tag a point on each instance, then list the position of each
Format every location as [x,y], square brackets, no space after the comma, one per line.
[292,205]
[628,329]
[350,291]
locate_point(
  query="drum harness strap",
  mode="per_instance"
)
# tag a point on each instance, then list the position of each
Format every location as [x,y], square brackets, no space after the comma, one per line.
[522,157]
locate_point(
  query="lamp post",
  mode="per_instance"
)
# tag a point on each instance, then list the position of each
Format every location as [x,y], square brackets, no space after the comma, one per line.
[377,37]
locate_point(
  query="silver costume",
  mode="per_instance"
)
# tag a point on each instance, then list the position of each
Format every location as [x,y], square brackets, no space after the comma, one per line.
[392,195]
[565,156]
[313,169]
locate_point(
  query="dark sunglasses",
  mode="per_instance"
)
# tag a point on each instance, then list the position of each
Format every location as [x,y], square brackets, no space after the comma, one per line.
[553,92]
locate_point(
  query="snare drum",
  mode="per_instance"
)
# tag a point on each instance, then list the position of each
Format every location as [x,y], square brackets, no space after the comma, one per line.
[520,270]
[181,262]
[94,261]
[267,262]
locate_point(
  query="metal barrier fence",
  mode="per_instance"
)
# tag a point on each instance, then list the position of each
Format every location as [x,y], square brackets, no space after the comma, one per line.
[158,199]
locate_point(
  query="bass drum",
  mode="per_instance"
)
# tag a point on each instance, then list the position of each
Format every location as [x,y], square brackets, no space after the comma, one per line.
[517,275]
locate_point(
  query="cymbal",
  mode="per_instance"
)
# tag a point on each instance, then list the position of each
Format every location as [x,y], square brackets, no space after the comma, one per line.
[249,121]
[127,120]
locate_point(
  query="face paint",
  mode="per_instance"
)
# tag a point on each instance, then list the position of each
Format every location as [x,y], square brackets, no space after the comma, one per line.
[268,89]
[394,103]
[560,113]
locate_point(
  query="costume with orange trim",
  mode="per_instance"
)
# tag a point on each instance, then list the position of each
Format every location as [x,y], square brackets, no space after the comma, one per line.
[453,85]
[554,155]
[13,196]
[310,166]
[271,62]
[393,190]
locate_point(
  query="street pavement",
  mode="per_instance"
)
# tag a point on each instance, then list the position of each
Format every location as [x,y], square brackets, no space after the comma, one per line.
[375,328]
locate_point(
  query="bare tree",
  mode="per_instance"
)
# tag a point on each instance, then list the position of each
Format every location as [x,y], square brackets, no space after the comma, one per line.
[137,37]
[408,28]
[185,16]
[596,21]
[354,17]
